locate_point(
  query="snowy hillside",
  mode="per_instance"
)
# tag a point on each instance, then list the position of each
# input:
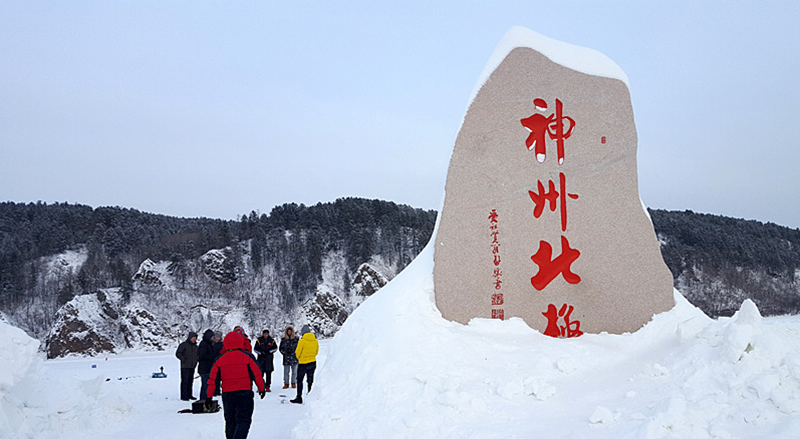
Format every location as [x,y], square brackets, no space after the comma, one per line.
[158,312]
[73,276]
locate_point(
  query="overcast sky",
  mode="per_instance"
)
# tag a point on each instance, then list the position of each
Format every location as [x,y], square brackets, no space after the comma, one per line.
[215,109]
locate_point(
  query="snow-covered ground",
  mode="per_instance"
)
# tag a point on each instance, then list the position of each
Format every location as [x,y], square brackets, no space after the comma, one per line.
[115,397]
[398,370]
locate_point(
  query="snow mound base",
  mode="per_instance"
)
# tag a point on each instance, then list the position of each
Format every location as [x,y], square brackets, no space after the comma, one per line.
[32,405]
[397,369]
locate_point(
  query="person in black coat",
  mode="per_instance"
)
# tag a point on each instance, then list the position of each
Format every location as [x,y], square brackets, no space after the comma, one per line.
[217,344]
[266,347]
[206,355]
[187,353]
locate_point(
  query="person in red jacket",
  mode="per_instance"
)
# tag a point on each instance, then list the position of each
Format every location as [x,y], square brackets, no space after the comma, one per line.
[236,370]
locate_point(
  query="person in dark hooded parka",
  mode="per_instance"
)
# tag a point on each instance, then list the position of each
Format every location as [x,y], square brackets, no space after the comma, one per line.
[287,348]
[206,355]
[187,353]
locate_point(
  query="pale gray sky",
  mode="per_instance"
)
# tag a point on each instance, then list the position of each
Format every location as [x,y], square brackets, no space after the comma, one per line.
[215,109]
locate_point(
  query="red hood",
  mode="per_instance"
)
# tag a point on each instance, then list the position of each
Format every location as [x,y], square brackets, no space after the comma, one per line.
[232,341]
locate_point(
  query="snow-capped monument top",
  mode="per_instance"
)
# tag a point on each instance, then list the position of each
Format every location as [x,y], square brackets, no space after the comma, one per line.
[542,218]
[577,58]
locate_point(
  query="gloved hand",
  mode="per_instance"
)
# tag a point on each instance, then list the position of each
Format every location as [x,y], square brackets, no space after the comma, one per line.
[262,393]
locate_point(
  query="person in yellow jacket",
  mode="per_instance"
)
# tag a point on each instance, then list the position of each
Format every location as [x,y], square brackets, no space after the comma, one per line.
[307,350]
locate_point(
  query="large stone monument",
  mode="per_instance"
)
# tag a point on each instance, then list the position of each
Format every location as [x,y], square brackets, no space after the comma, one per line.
[542,218]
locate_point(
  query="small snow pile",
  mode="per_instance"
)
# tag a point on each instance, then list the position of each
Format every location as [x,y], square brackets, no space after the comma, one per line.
[31,406]
[397,369]
[18,362]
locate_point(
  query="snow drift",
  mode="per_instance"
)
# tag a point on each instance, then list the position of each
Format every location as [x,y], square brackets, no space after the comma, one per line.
[34,405]
[397,369]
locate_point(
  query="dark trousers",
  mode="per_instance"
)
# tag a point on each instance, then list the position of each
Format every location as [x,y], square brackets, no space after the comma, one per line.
[265,363]
[238,409]
[187,379]
[267,378]
[204,385]
[305,370]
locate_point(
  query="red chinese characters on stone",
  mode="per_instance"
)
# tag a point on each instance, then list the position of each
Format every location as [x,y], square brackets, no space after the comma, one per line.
[569,328]
[552,197]
[495,233]
[550,268]
[497,281]
[497,273]
[538,125]
[553,125]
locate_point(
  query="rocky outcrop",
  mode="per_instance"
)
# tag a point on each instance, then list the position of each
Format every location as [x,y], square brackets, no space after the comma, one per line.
[325,313]
[148,273]
[76,331]
[218,266]
[367,281]
[91,324]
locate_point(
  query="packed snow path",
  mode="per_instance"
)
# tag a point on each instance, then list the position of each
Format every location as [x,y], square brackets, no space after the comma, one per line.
[147,408]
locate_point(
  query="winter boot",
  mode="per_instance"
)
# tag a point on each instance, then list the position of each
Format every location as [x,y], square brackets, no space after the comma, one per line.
[285,385]
[297,400]
[309,388]
[266,389]
[294,385]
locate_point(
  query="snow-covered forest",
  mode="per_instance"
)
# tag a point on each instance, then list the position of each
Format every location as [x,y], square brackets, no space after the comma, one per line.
[718,262]
[125,279]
